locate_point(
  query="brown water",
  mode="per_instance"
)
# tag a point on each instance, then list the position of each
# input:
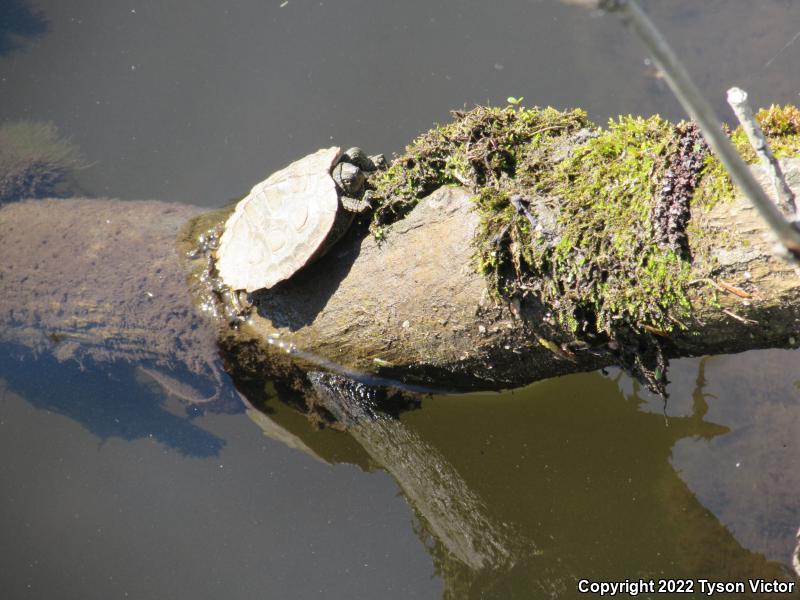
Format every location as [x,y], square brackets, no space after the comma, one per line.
[108,488]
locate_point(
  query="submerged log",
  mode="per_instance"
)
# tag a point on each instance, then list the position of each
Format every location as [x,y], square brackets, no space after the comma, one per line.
[97,280]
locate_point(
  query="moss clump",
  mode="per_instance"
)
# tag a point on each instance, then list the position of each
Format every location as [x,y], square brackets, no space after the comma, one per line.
[601,267]
[777,121]
[781,125]
[478,148]
[566,211]
[590,222]
[715,185]
[35,161]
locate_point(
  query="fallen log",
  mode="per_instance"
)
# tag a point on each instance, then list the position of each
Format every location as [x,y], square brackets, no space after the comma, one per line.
[413,309]
[103,280]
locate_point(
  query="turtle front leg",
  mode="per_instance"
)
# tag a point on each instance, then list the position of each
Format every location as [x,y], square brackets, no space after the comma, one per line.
[354,205]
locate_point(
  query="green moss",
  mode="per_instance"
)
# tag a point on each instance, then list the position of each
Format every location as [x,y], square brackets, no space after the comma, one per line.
[476,149]
[715,184]
[781,125]
[606,270]
[567,211]
[779,121]
[586,247]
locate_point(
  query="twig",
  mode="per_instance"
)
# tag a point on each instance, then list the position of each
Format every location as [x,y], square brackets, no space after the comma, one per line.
[723,286]
[735,290]
[739,318]
[737,98]
[700,110]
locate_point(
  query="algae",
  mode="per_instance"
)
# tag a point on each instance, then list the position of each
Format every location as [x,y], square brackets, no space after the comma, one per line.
[36,161]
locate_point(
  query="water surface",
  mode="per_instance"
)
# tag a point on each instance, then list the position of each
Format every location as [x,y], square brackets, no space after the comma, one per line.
[111,488]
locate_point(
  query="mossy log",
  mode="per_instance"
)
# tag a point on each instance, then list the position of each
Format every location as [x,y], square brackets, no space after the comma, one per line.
[104,280]
[413,308]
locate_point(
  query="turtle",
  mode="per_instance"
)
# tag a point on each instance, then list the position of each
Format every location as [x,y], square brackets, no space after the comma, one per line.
[293,217]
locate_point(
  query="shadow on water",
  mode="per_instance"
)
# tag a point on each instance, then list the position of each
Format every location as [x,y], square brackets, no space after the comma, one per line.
[112,402]
[18,22]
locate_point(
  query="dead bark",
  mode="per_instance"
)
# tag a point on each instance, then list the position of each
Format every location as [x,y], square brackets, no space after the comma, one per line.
[77,277]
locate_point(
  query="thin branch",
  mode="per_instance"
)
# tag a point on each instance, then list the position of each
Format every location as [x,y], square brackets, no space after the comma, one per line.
[737,98]
[700,110]
[724,287]
[738,318]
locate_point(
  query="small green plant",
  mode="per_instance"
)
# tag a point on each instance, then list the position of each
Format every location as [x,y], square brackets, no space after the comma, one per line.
[515,102]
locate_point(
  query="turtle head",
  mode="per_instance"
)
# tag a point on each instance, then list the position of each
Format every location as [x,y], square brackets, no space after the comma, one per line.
[348,177]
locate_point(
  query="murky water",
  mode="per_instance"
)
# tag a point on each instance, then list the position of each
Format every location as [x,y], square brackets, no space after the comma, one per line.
[109,488]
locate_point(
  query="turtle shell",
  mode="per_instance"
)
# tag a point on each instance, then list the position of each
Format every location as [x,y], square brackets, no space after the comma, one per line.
[280,224]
